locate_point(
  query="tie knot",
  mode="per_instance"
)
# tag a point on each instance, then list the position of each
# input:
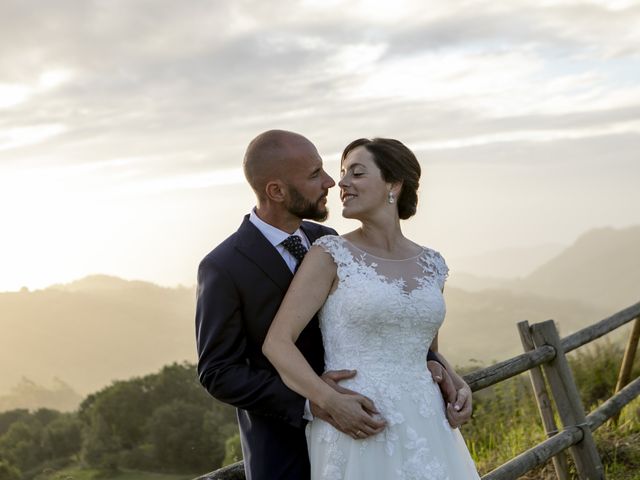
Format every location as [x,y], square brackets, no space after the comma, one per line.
[294,245]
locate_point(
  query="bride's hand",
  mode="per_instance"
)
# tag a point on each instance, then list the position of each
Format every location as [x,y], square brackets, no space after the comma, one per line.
[354,415]
[459,412]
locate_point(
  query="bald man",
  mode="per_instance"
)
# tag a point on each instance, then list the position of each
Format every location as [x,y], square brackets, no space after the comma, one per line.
[241,284]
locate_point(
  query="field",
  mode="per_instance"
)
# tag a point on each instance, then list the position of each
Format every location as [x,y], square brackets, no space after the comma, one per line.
[506,421]
[109,439]
[91,474]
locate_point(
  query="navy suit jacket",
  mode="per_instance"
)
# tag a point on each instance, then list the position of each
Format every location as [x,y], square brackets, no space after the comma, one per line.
[241,284]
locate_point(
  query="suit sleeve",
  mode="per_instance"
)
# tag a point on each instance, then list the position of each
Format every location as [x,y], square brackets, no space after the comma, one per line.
[432,356]
[221,341]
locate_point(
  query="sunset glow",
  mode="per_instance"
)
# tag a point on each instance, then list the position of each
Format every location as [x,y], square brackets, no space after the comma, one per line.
[122,133]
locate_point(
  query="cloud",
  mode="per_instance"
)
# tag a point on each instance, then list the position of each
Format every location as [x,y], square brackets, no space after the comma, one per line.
[19,137]
[132,117]
[190,83]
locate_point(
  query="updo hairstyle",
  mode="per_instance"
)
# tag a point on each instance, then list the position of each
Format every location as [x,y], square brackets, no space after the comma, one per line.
[397,164]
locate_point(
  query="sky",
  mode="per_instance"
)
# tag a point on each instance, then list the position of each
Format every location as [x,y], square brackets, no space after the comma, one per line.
[123,123]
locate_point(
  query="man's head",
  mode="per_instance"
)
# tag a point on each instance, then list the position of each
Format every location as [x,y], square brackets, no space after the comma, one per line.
[285,171]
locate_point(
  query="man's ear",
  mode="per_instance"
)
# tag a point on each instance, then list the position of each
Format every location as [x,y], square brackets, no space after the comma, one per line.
[276,191]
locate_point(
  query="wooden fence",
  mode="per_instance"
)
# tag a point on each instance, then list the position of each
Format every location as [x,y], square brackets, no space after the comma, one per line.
[545,358]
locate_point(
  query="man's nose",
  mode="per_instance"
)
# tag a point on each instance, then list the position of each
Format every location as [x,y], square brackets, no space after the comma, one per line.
[329,182]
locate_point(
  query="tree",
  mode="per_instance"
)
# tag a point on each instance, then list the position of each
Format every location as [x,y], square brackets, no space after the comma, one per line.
[162,420]
[119,411]
[99,447]
[232,450]
[32,439]
[177,380]
[177,435]
[9,472]
[11,416]
[62,437]
[20,445]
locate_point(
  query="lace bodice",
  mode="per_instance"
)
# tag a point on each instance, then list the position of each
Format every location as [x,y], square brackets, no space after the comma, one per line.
[385,313]
[380,321]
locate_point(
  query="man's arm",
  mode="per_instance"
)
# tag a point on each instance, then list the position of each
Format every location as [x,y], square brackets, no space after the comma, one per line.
[221,342]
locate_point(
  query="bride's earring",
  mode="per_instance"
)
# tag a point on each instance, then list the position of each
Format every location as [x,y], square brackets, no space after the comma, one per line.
[390,198]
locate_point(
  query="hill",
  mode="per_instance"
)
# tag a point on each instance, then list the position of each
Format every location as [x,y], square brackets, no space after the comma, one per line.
[92,331]
[513,262]
[481,326]
[97,329]
[30,395]
[601,268]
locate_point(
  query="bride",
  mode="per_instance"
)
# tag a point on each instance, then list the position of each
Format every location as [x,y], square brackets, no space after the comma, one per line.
[381,305]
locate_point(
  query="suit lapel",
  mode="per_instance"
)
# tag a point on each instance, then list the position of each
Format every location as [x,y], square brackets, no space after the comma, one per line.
[253,245]
[313,232]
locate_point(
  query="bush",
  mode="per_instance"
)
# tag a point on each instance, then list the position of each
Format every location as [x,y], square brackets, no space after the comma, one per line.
[595,369]
[9,472]
[232,450]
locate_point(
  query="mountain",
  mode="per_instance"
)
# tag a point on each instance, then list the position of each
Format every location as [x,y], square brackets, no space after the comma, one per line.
[513,262]
[481,326]
[601,268]
[100,328]
[93,331]
[28,394]
[476,283]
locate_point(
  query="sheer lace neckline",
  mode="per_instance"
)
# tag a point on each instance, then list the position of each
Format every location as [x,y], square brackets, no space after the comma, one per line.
[414,257]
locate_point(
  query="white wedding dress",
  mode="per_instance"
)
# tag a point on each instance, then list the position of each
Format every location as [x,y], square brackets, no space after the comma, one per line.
[380,321]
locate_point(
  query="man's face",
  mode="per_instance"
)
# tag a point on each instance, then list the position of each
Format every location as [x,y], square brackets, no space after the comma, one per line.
[308,184]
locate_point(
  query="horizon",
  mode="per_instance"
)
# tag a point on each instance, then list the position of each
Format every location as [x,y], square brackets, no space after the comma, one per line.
[122,132]
[79,324]
[525,268]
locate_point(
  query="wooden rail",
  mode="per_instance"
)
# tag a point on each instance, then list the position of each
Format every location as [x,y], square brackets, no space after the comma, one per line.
[546,351]
[578,430]
[541,453]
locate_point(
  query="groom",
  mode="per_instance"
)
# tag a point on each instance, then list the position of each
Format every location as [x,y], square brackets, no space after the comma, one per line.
[241,284]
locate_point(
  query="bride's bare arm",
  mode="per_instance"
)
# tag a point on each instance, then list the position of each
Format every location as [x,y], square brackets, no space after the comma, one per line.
[306,295]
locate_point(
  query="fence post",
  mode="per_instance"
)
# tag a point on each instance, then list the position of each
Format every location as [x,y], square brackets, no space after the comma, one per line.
[627,360]
[567,399]
[544,403]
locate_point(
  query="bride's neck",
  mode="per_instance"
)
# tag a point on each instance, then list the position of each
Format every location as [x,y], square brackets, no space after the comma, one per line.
[384,236]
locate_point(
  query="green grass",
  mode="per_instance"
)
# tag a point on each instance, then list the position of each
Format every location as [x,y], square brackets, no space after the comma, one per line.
[77,473]
[505,423]
[506,420]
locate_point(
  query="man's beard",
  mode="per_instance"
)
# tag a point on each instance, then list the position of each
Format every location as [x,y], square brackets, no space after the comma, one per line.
[303,208]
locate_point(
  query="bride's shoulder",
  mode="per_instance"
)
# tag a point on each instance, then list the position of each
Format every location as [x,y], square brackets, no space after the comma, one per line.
[335,245]
[432,253]
[329,240]
[436,261]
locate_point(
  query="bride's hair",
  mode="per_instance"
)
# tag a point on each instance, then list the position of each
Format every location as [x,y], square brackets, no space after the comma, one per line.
[397,164]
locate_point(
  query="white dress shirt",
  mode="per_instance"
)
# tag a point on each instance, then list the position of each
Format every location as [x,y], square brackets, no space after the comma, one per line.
[275,236]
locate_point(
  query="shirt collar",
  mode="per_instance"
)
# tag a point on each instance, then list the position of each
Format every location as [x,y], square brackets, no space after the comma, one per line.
[271,233]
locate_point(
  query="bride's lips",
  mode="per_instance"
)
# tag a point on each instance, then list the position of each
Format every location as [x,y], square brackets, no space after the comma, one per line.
[345,197]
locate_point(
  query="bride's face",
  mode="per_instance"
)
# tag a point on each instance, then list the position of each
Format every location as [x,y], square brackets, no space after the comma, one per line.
[362,189]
